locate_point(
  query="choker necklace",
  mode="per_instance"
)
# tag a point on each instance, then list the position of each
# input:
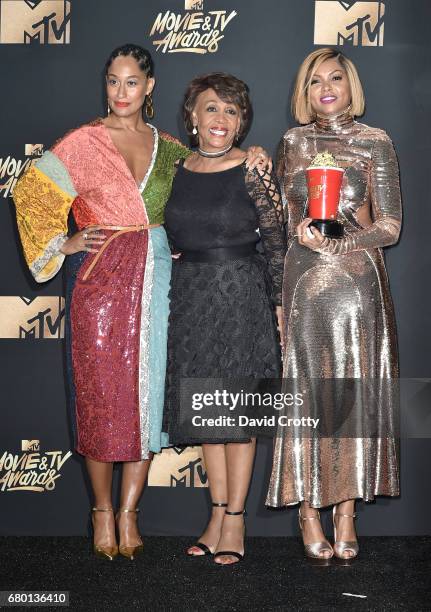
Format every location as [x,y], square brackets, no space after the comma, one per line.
[217,154]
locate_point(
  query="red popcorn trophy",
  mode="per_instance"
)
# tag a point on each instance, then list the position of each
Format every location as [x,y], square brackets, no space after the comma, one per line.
[324,184]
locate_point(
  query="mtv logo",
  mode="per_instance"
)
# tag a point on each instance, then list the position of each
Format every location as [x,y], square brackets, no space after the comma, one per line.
[34,150]
[26,300]
[171,469]
[194,5]
[178,449]
[39,318]
[338,22]
[30,445]
[35,22]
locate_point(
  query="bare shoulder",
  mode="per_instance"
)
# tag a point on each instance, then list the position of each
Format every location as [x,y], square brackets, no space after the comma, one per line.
[237,156]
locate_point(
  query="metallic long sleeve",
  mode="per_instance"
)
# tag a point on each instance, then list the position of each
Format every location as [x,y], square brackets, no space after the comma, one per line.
[339,319]
[385,202]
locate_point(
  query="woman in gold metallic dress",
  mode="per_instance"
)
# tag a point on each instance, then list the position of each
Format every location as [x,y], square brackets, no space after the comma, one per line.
[337,307]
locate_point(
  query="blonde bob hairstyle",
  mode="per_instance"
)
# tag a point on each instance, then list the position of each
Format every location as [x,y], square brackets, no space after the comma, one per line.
[301,105]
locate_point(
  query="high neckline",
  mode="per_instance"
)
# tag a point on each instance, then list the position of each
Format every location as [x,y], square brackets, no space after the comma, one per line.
[336,123]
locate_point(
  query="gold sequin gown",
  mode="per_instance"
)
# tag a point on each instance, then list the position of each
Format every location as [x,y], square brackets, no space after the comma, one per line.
[338,312]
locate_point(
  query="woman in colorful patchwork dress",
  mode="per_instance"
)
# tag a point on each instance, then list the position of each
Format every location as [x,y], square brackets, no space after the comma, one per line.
[115,176]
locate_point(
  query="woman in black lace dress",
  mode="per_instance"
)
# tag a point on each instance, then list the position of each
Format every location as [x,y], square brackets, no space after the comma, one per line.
[225,295]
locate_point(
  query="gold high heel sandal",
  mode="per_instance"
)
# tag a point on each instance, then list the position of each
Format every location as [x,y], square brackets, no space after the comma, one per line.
[341,547]
[130,552]
[313,551]
[105,552]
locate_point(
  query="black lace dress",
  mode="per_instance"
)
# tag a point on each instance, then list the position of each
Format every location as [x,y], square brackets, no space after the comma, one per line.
[223,291]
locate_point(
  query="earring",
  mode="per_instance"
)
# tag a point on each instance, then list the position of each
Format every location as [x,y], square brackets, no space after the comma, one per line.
[149,109]
[194,130]
[108,110]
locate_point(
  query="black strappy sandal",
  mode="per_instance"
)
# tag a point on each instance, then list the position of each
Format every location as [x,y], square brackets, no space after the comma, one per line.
[203,547]
[231,553]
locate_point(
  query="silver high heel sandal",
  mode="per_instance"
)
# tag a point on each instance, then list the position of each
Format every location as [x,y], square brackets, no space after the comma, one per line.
[341,547]
[314,551]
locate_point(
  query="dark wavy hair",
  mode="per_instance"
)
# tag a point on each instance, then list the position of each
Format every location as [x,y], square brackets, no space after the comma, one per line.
[141,55]
[229,89]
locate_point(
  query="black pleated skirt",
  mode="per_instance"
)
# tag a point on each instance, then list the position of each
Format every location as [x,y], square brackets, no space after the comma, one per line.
[222,324]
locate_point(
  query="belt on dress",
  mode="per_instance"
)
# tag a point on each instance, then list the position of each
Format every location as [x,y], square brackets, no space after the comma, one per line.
[219,253]
[118,230]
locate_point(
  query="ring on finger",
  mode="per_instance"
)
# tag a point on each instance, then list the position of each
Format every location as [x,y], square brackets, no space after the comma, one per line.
[85,235]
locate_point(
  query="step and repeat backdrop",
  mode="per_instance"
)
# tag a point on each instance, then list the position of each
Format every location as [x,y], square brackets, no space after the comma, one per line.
[52,54]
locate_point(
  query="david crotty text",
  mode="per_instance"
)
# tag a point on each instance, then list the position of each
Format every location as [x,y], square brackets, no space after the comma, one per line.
[245,421]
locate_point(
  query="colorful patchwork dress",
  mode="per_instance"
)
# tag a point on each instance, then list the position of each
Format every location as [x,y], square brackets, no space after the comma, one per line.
[117,299]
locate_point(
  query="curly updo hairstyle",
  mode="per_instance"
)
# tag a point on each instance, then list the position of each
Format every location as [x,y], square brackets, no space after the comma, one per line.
[229,89]
[141,55]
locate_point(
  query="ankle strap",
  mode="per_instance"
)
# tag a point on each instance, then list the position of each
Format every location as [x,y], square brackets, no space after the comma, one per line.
[102,509]
[235,513]
[128,510]
[218,505]
[346,515]
[309,518]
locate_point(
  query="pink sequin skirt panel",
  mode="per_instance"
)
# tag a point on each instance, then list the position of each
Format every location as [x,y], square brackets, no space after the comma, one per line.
[105,325]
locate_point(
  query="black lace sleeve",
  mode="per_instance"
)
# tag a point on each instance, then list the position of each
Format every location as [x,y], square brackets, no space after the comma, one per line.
[264,191]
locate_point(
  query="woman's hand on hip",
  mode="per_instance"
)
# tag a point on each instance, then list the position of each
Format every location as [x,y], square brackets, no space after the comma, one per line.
[88,240]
